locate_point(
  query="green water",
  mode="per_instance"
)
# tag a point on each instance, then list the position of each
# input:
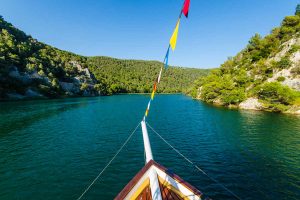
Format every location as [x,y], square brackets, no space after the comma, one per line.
[53,149]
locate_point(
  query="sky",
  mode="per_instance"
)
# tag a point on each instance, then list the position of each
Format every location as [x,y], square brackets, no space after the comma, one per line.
[141,29]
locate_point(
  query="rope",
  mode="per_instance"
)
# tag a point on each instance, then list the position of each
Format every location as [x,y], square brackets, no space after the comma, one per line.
[188,160]
[107,165]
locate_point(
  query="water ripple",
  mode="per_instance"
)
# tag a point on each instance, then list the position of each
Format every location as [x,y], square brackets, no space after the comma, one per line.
[52,149]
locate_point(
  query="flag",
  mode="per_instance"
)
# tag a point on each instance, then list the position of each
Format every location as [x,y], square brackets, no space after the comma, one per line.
[155,87]
[159,76]
[152,95]
[173,39]
[148,108]
[172,44]
[185,8]
[167,57]
[146,113]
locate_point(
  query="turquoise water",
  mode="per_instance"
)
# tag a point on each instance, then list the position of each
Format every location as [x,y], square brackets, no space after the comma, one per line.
[52,149]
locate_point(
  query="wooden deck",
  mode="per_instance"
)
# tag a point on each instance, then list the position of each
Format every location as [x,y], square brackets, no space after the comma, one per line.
[168,193]
[145,194]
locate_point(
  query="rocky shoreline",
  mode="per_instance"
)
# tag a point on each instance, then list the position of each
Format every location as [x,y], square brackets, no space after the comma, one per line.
[254,104]
[33,85]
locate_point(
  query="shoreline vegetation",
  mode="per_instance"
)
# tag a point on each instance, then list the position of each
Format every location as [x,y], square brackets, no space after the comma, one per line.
[294,112]
[30,69]
[263,76]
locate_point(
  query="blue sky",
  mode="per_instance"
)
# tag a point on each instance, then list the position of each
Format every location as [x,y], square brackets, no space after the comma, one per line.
[141,29]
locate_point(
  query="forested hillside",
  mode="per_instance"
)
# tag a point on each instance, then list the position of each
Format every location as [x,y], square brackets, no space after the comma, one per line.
[31,69]
[137,76]
[263,76]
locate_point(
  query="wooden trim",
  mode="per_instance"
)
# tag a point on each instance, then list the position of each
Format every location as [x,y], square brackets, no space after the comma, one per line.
[139,175]
[141,188]
[178,179]
[133,181]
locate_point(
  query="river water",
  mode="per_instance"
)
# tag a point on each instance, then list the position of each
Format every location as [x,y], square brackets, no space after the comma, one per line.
[53,149]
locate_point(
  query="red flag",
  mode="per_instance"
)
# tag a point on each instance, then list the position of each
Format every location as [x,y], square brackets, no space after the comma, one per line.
[154,87]
[185,8]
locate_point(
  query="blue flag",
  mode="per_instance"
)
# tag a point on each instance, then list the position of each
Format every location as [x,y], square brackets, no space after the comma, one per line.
[167,58]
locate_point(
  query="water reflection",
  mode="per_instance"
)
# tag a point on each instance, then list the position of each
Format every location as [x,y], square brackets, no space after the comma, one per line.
[18,115]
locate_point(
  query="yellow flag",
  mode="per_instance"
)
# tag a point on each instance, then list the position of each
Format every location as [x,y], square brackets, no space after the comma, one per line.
[173,39]
[152,95]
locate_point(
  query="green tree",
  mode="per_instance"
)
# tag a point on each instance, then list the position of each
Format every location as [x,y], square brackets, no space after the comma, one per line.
[297,10]
[275,92]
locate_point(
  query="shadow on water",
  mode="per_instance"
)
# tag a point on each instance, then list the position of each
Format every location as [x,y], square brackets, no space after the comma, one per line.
[15,116]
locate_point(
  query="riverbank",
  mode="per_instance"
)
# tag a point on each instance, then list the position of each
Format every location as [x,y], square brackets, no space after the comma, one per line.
[249,104]
[29,98]
[254,104]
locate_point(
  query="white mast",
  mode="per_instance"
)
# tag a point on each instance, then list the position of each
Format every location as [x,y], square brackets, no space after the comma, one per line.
[147,145]
[154,185]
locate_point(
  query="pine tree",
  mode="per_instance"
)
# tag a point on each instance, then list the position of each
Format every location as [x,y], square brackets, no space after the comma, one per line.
[297,10]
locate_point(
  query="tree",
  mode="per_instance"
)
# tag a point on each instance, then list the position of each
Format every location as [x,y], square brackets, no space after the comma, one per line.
[297,10]
[274,92]
[291,21]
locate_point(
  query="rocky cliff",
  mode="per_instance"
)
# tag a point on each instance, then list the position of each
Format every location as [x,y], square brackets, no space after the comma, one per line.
[31,69]
[263,76]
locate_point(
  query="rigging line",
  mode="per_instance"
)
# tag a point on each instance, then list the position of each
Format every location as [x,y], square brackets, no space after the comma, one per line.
[197,167]
[107,165]
[179,17]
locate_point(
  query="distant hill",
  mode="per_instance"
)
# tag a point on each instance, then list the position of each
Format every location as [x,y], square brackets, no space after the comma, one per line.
[31,69]
[137,76]
[263,76]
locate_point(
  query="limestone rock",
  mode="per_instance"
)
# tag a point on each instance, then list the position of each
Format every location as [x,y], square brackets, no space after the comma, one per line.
[69,87]
[251,104]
